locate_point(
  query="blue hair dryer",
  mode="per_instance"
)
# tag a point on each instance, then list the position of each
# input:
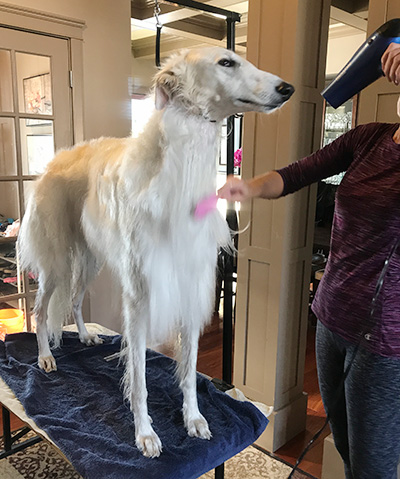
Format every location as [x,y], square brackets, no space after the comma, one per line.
[365,65]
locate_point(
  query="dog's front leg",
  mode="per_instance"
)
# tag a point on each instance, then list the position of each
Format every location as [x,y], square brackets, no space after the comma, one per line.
[195,423]
[147,440]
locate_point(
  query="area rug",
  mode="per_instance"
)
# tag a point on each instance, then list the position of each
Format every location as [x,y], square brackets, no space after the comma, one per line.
[42,461]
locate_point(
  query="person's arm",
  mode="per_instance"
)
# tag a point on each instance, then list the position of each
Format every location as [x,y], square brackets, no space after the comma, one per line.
[328,161]
[391,63]
[268,186]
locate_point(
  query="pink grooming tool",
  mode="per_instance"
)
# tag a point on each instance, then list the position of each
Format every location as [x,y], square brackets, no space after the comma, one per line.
[205,205]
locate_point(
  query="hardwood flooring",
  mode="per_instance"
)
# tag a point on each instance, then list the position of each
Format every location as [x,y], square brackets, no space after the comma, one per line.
[210,363]
[312,462]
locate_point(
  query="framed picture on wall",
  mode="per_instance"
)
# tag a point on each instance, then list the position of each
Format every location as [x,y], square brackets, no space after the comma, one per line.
[37,94]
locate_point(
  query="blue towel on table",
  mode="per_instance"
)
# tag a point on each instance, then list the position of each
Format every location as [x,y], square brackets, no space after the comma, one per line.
[81,408]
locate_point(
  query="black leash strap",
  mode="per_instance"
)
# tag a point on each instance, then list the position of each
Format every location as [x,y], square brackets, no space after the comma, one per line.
[158,41]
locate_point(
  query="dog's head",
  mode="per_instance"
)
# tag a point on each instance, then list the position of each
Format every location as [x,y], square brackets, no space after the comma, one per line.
[216,83]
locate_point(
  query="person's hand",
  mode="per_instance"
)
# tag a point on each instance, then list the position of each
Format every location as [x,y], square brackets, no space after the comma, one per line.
[391,63]
[235,189]
[269,186]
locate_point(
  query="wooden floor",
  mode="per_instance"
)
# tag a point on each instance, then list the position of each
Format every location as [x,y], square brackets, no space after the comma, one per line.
[210,363]
[312,462]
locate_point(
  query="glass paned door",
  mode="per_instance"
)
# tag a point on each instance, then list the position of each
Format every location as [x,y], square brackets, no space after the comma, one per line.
[35,121]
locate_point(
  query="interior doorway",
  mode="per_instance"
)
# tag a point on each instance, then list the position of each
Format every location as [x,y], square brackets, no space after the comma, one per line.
[35,121]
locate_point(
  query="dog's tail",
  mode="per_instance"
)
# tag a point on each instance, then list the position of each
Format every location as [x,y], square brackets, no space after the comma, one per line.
[45,250]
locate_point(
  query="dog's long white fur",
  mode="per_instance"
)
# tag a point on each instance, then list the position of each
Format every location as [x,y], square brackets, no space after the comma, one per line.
[129,203]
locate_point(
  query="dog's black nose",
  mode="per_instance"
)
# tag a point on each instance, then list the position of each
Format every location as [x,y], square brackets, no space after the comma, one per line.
[285,89]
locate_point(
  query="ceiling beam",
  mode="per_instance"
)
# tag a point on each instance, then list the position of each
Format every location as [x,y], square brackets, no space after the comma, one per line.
[348,19]
[207,7]
[216,30]
[148,12]
[201,30]
[351,6]
[143,50]
[179,29]
[146,52]
[170,13]
[199,38]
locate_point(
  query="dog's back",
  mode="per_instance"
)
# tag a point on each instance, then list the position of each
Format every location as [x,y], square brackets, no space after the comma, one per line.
[51,223]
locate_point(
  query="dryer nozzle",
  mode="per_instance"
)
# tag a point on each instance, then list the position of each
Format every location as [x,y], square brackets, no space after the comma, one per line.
[365,65]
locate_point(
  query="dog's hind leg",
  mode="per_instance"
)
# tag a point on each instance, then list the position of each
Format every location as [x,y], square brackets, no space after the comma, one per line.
[84,336]
[46,360]
[195,423]
[135,321]
[85,270]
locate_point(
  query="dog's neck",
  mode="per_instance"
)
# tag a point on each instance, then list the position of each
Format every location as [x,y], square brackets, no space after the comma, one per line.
[193,110]
[190,131]
[190,147]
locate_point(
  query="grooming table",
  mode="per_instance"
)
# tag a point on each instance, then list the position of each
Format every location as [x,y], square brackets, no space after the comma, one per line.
[80,410]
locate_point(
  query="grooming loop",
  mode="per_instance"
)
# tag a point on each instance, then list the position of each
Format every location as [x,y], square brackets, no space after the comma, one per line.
[157,11]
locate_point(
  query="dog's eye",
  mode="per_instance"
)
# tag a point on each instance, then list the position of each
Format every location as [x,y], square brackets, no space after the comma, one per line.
[225,62]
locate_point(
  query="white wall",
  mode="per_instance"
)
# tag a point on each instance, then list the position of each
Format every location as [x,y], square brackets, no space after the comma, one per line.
[340,50]
[142,74]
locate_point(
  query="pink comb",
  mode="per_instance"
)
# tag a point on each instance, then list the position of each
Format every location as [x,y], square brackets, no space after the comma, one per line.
[205,205]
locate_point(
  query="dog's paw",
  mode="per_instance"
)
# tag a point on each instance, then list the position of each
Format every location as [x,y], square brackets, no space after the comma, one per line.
[47,363]
[198,428]
[149,445]
[91,340]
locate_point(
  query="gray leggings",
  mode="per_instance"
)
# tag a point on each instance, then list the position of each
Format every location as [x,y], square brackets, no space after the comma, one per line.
[365,415]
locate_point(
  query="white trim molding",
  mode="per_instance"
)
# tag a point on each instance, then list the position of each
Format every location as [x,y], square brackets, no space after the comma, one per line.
[37,21]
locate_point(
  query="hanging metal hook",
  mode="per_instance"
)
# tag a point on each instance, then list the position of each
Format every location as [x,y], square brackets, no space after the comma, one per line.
[157,11]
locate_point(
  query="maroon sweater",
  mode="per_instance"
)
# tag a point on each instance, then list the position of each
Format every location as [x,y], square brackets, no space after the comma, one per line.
[366,224]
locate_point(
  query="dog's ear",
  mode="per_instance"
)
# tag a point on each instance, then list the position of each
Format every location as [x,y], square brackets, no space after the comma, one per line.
[166,85]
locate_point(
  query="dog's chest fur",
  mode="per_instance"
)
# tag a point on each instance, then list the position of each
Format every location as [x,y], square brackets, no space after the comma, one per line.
[171,252]
[179,259]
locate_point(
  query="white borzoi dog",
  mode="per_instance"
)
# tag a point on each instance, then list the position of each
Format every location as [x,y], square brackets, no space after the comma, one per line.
[129,203]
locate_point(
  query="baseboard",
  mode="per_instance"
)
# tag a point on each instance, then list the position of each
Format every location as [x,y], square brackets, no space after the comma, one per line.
[284,424]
